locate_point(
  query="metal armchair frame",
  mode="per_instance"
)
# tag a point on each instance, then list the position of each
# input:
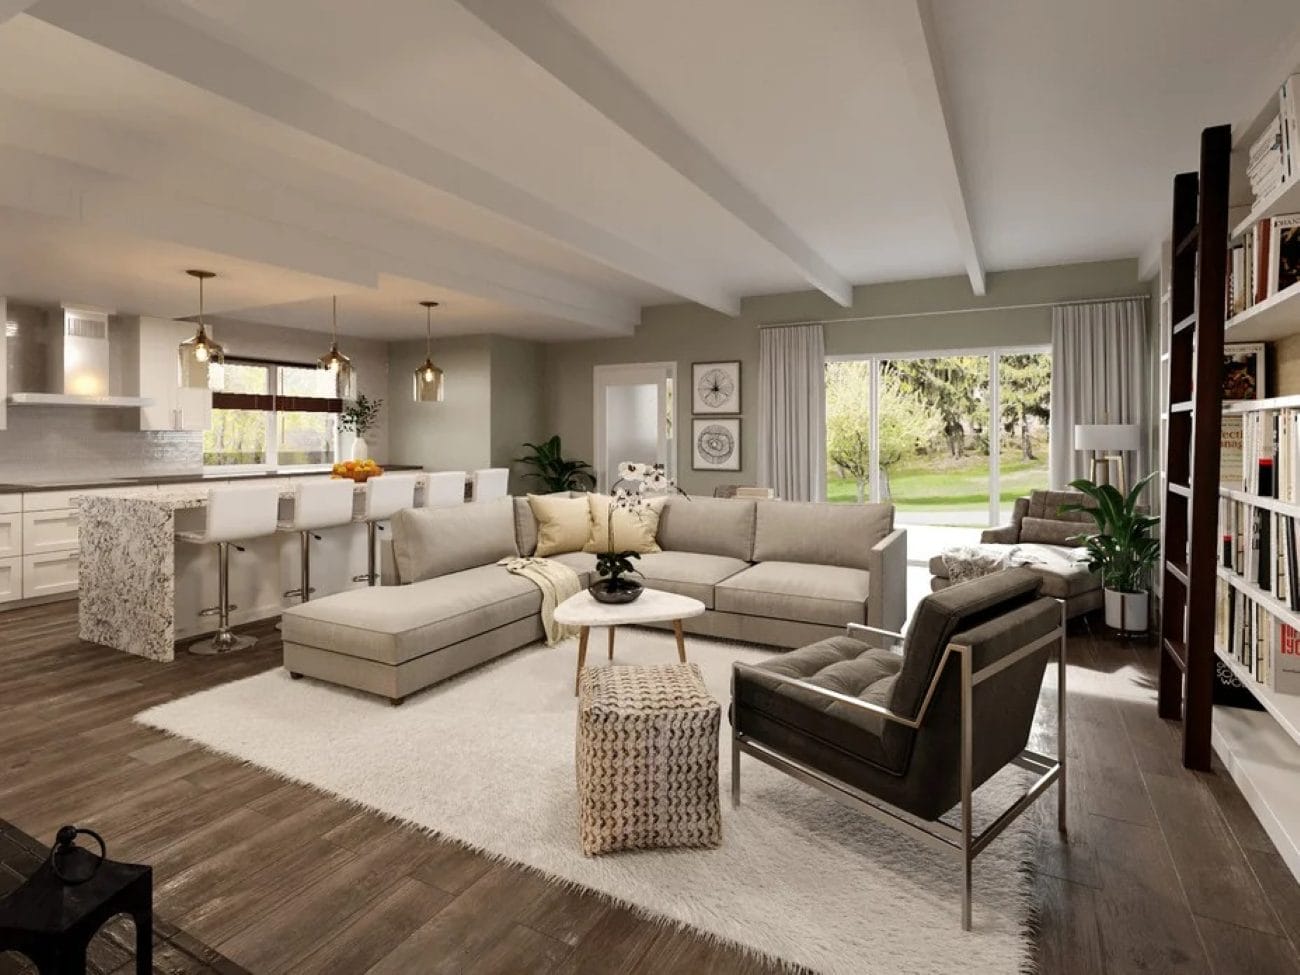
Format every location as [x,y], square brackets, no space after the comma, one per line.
[962,840]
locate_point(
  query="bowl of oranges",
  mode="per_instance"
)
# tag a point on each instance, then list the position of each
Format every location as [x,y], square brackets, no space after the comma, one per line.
[356,470]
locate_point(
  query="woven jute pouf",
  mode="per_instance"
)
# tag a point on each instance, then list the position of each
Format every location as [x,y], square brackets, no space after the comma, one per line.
[647,757]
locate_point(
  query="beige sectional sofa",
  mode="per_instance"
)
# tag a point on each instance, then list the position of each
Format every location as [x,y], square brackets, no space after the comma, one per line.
[772,572]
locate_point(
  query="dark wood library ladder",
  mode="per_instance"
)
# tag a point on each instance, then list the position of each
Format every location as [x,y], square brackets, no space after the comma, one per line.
[1197,301]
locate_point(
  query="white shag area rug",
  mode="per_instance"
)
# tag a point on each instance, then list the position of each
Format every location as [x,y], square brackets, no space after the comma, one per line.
[487,759]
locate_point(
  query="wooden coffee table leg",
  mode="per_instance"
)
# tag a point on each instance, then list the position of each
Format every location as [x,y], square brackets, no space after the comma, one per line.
[681,641]
[583,633]
[611,643]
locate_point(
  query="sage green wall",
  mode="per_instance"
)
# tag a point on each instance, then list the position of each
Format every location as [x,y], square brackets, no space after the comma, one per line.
[517,403]
[690,333]
[455,434]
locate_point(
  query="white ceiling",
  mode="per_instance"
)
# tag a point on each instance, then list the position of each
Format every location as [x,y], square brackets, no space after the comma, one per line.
[548,169]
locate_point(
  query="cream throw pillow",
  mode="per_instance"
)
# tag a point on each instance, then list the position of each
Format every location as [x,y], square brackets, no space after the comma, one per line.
[634,530]
[561,524]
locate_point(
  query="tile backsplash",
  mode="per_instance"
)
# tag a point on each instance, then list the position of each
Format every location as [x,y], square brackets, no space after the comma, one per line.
[47,443]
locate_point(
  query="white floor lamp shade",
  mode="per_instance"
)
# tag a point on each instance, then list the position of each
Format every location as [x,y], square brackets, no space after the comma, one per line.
[1107,442]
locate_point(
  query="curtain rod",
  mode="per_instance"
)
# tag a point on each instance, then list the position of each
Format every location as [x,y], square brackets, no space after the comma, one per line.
[952,311]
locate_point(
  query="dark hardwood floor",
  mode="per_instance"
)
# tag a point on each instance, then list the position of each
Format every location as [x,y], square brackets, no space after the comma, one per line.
[1166,870]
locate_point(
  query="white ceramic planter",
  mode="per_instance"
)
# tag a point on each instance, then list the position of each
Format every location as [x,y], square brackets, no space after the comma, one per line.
[1127,611]
[360,449]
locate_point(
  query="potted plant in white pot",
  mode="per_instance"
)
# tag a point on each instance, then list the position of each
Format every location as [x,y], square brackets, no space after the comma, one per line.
[1123,549]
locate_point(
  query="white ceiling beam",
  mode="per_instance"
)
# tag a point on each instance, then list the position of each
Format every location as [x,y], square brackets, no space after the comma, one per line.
[557,47]
[912,24]
[399,247]
[64,191]
[12,8]
[159,39]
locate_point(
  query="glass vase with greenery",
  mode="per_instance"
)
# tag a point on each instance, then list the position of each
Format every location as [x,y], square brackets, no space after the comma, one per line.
[360,416]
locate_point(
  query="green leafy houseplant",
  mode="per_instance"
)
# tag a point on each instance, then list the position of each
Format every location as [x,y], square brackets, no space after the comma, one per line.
[361,415]
[553,471]
[1125,546]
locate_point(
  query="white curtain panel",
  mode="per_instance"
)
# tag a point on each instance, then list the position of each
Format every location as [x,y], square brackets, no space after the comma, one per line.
[1099,375]
[792,412]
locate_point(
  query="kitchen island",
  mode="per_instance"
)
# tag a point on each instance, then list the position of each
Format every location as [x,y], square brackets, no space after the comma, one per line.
[141,589]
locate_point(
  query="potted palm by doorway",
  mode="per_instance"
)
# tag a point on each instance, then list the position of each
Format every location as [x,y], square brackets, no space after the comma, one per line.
[1123,549]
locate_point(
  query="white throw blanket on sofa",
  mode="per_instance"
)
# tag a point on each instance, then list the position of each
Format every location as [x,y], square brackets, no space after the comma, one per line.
[965,562]
[557,582]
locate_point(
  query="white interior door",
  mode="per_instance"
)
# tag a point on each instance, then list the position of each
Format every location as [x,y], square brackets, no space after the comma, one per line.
[633,410]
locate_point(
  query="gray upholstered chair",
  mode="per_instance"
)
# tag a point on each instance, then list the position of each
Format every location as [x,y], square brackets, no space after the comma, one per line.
[906,736]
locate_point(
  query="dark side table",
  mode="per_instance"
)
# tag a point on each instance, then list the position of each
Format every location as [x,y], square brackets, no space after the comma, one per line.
[52,922]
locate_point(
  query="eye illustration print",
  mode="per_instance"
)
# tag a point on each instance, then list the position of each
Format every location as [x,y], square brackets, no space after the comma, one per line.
[717,445]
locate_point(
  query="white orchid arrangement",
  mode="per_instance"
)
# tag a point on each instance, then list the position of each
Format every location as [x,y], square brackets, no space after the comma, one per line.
[635,484]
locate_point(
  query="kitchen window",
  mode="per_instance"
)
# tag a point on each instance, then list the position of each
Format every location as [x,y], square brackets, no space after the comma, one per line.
[268,415]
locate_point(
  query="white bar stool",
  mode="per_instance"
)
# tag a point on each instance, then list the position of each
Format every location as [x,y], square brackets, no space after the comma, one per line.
[234,514]
[491,483]
[385,496]
[443,489]
[317,503]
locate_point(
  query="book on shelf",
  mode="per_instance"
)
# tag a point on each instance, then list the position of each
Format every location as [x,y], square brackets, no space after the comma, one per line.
[1274,158]
[1264,456]
[1265,261]
[1263,548]
[1252,636]
[1287,676]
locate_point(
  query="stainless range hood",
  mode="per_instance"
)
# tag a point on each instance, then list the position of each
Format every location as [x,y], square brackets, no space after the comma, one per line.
[78,364]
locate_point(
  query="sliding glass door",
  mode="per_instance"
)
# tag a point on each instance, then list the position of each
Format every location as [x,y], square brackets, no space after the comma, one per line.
[1024,381]
[950,439]
[934,439]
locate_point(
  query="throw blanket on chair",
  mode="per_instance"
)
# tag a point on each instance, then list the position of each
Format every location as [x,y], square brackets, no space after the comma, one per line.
[557,582]
[966,562]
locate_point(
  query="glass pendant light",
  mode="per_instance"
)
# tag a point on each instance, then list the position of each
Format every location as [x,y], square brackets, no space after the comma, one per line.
[336,362]
[428,377]
[199,353]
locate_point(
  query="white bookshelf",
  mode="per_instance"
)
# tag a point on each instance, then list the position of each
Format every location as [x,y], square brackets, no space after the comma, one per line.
[1289,508]
[1285,708]
[1260,405]
[1285,199]
[1264,598]
[1265,764]
[1261,749]
[1274,318]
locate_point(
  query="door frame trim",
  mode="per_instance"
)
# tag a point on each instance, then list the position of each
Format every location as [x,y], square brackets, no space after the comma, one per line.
[600,377]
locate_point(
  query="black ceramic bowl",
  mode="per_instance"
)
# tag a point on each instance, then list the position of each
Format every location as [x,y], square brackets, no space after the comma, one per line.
[626,591]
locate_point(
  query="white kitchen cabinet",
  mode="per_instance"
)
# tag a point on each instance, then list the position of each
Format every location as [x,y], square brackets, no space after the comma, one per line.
[49,575]
[174,407]
[9,503]
[11,579]
[11,534]
[48,500]
[49,531]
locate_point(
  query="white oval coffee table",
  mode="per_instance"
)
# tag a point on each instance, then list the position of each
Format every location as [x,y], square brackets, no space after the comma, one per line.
[654,606]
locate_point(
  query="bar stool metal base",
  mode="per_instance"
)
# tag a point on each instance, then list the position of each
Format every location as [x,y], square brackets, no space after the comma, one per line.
[371,578]
[224,640]
[221,642]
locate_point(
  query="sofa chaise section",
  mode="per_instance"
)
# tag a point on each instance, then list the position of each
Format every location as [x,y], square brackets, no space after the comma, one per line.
[395,640]
[1040,530]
